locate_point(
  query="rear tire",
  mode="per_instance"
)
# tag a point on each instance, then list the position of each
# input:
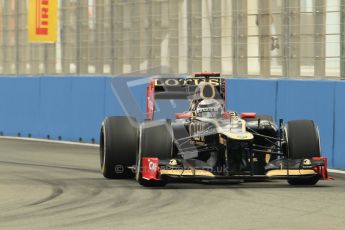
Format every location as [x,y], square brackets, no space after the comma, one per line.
[303,142]
[118,147]
[156,141]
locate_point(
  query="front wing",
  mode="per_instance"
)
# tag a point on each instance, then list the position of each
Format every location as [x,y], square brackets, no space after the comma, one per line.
[154,169]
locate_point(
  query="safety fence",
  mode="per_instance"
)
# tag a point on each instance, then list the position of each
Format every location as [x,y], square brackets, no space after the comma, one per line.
[267,38]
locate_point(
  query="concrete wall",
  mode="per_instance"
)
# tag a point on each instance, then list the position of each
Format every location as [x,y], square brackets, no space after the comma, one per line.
[74,107]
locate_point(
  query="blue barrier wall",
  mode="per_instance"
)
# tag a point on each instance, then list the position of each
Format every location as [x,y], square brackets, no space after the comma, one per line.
[321,101]
[309,100]
[74,107]
[339,126]
[252,95]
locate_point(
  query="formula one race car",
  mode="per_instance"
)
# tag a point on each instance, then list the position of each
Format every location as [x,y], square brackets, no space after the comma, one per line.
[207,142]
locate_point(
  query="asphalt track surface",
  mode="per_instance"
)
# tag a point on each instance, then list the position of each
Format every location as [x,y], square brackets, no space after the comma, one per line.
[57,186]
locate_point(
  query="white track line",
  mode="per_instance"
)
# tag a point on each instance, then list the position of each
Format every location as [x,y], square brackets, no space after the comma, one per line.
[49,141]
[336,171]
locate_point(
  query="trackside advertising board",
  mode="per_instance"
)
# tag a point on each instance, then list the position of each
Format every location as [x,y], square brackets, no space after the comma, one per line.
[42,20]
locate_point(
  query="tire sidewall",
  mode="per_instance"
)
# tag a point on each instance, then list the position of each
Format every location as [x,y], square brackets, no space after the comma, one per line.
[117,134]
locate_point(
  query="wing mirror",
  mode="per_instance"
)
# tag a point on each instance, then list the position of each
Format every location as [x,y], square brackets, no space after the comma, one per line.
[226,115]
[183,115]
[248,115]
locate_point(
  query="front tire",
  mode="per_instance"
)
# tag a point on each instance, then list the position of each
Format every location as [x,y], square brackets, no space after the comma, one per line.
[118,147]
[303,142]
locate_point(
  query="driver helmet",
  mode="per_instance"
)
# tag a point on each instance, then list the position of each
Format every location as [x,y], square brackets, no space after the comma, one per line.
[209,108]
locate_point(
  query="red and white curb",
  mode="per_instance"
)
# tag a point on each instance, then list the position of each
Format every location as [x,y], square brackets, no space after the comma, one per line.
[336,171]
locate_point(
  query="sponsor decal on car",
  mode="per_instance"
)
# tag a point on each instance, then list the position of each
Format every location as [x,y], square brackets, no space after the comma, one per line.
[184,82]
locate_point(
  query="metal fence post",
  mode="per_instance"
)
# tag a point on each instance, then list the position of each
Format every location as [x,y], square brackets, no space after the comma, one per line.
[135,35]
[239,42]
[5,35]
[22,43]
[24,46]
[342,40]
[264,21]
[83,36]
[107,40]
[195,36]
[285,38]
[173,34]
[99,35]
[165,39]
[291,38]
[183,48]
[50,64]
[216,36]
[156,34]
[319,37]
[17,37]
[226,39]
[67,36]
[116,38]
[141,37]
[206,34]
[147,41]
[126,37]
[2,30]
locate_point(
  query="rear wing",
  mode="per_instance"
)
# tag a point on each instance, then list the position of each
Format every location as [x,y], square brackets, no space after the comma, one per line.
[181,88]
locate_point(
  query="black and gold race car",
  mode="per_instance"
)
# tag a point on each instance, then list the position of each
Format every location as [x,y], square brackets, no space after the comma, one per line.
[207,142]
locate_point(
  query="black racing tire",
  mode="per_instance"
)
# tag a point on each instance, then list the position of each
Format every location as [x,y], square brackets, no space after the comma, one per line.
[303,142]
[156,140]
[118,147]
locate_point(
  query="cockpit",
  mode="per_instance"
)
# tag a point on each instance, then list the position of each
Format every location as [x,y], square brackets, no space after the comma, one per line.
[209,108]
